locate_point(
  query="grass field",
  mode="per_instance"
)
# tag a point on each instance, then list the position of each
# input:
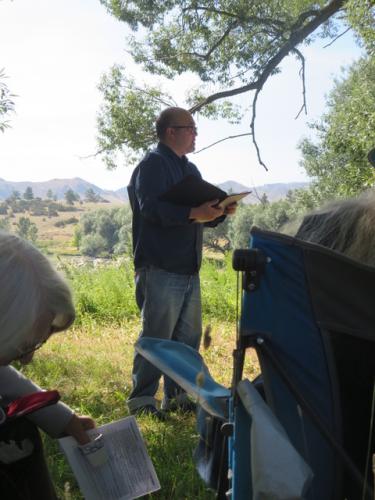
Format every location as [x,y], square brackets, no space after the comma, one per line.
[91,367]
[91,364]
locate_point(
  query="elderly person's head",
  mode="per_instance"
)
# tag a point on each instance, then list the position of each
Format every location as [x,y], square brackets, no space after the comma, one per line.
[34,300]
[347,226]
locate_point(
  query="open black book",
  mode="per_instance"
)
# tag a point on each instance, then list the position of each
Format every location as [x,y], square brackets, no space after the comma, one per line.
[192,191]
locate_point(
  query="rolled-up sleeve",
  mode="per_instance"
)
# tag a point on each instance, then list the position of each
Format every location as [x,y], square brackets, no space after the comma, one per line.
[52,419]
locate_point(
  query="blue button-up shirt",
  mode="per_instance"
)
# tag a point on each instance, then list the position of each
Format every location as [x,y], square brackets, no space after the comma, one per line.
[163,234]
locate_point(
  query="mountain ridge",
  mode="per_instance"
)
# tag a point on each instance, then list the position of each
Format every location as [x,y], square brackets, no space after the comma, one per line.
[273,191]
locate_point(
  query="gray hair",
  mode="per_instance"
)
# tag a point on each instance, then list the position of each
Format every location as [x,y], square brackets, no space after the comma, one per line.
[29,288]
[347,226]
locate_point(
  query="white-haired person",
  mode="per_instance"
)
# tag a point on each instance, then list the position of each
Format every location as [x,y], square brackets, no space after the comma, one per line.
[348,226]
[35,303]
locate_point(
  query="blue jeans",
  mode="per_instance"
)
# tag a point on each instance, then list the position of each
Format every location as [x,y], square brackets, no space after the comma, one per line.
[170,307]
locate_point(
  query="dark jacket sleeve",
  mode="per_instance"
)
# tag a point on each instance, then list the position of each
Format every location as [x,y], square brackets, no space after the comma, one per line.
[215,222]
[150,182]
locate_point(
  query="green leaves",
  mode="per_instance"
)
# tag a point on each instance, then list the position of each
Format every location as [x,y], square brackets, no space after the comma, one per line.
[105,231]
[6,102]
[338,160]
[361,16]
[127,116]
[217,40]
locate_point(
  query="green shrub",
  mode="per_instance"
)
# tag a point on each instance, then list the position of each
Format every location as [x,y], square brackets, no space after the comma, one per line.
[106,230]
[72,220]
[93,245]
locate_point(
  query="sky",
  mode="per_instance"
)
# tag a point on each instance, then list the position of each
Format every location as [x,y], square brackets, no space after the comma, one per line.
[54,52]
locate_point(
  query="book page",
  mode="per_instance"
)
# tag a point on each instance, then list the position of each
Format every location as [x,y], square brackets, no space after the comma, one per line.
[232,198]
[128,472]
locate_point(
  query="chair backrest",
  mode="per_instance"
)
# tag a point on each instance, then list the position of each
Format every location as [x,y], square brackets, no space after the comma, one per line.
[316,307]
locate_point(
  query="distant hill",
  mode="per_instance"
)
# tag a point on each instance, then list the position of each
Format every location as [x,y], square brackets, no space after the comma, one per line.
[122,194]
[274,192]
[58,188]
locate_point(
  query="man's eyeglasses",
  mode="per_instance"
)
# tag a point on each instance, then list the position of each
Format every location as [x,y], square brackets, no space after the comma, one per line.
[193,128]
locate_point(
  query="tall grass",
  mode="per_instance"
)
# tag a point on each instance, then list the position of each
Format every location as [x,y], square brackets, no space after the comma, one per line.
[218,285]
[91,367]
[105,295]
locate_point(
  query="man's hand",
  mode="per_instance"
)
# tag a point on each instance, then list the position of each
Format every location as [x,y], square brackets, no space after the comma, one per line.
[77,428]
[231,209]
[206,212]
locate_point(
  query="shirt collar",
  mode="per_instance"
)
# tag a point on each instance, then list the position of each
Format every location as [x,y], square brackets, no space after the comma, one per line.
[167,150]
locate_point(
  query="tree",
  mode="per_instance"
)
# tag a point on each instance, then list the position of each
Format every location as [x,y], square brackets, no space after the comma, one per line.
[284,215]
[6,102]
[28,194]
[126,119]
[93,245]
[70,196]
[105,230]
[27,229]
[16,195]
[123,218]
[337,160]
[361,17]
[264,199]
[216,238]
[91,196]
[49,194]
[233,47]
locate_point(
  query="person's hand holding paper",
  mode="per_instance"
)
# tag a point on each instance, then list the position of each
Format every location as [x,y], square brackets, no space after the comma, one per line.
[77,427]
[230,209]
[206,212]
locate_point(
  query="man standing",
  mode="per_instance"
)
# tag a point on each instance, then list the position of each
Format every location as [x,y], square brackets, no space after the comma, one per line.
[167,247]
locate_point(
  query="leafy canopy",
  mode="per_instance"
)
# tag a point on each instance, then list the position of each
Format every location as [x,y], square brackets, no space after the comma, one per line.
[232,46]
[337,160]
[224,42]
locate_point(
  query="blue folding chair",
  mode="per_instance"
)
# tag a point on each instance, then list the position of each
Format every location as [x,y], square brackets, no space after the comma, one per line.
[301,429]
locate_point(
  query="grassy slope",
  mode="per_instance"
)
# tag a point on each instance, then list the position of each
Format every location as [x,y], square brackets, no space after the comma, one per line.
[58,240]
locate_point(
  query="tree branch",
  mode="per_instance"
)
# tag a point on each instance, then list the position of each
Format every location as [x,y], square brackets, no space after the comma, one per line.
[241,19]
[295,38]
[337,37]
[302,73]
[302,18]
[208,9]
[156,98]
[254,193]
[93,155]
[238,75]
[252,128]
[222,140]
[215,45]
